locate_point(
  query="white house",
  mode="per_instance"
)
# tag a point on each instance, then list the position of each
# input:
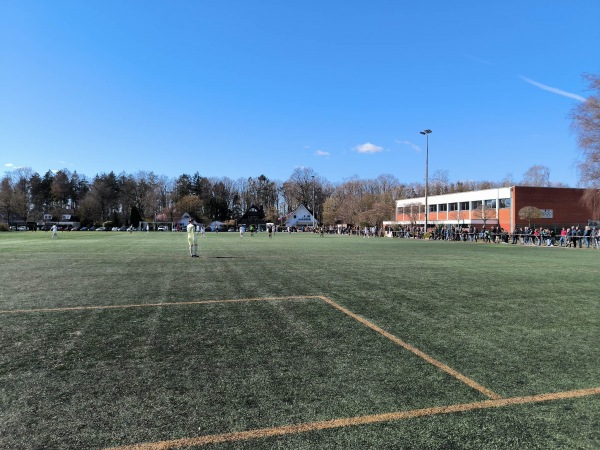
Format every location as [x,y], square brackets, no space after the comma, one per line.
[186,218]
[66,220]
[301,217]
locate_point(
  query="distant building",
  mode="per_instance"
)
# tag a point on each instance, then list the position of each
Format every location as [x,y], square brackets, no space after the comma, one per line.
[186,218]
[254,215]
[65,220]
[496,207]
[301,217]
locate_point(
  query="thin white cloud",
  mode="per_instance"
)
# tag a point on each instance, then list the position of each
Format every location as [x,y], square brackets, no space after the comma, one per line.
[553,89]
[415,147]
[321,153]
[11,166]
[367,147]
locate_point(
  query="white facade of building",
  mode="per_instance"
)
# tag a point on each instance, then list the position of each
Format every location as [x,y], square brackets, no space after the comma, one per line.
[302,217]
[456,208]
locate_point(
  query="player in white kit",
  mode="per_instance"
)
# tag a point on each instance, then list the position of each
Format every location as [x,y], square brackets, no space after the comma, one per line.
[192,240]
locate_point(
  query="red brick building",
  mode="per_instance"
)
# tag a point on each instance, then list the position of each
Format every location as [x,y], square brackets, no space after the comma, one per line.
[497,207]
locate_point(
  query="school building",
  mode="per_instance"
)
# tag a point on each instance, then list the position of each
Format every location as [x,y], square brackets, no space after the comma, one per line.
[496,207]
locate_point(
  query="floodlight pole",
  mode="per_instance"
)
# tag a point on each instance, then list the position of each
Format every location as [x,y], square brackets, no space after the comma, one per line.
[426,133]
[313,202]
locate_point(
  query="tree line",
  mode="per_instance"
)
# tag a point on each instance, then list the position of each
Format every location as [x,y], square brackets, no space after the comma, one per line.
[125,199]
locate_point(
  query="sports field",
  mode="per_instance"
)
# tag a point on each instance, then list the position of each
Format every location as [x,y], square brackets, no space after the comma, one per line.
[118,340]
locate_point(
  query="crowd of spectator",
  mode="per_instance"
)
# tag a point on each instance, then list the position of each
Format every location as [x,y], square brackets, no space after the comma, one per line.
[573,237]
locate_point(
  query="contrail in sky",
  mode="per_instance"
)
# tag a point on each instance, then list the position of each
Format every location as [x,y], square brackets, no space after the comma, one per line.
[553,90]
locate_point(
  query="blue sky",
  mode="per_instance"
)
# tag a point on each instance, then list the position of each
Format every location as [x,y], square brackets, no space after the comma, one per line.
[239,88]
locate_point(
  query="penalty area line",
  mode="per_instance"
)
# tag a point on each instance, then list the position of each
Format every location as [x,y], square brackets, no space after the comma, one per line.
[449,370]
[356,421]
[154,305]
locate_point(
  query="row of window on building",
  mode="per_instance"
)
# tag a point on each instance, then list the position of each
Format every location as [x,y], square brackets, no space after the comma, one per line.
[468,206]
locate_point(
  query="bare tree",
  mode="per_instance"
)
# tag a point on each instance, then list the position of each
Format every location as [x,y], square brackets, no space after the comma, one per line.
[537,175]
[530,213]
[379,212]
[349,210]
[586,124]
[21,185]
[507,181]
[330,210]
[7,198]
[439,183]
[150,192]
[191,204]
[350,200]
[298,189]
[483,212]
[387,183]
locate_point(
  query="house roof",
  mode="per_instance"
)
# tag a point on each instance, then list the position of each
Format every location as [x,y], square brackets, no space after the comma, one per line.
[253,214]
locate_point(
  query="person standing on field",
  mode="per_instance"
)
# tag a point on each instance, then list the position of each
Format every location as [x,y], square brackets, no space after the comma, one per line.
[574,236]
[192,240]
[563,237]
[54,230]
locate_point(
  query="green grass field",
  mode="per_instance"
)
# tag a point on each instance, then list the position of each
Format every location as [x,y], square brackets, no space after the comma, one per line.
[295,342]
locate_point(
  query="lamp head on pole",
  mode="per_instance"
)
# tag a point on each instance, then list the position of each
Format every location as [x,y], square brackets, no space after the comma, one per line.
[425,132]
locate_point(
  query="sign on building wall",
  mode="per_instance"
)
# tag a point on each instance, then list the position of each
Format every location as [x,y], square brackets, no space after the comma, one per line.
[547,213]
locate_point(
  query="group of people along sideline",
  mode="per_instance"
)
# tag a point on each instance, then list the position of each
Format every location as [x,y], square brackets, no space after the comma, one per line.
[573,237]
